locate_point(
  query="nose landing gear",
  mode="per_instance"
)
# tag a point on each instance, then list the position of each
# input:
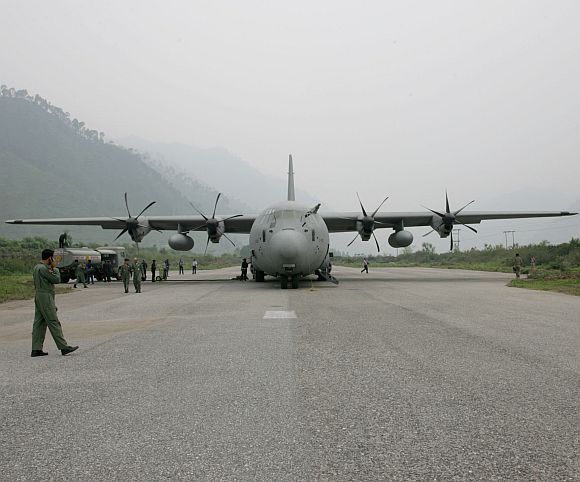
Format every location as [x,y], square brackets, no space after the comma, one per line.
[292,279]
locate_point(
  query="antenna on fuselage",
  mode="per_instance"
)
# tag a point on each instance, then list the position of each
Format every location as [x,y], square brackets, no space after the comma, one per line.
[291,196]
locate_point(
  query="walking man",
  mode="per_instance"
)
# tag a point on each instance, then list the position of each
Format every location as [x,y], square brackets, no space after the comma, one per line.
[153,268]
[365,265]
[125,272]
[45,275]
[79,274]
[137,275]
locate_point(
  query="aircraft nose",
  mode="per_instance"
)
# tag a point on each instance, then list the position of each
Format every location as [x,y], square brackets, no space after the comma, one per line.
[286,244]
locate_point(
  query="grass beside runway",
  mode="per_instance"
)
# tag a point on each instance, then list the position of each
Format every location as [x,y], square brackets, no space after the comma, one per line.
[20,287]
[569,283]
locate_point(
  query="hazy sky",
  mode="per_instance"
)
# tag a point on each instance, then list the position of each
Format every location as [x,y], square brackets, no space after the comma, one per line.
[385,98]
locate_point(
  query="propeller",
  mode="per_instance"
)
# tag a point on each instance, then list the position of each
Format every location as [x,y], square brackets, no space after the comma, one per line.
[132,223]
[448,219]
[368,222]
[213,223]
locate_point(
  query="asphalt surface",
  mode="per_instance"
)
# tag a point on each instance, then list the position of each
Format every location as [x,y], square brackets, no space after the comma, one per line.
[401,374]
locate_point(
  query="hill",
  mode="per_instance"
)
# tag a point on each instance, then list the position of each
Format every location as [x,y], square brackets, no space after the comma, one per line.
[53,166]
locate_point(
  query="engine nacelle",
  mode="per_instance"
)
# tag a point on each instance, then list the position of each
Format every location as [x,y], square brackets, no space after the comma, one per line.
[180,242]
[401,239]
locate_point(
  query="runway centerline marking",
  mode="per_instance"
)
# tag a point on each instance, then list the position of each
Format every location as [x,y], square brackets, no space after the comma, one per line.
[279,314]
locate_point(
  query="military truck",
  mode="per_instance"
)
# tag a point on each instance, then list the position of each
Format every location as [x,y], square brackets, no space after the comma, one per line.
[65,260]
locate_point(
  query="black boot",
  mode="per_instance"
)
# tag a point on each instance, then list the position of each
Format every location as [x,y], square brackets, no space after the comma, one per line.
[68,349]
[38,353]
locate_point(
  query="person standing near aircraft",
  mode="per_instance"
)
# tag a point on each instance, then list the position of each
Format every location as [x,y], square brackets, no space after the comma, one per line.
[108,270]
[165,269]
[194,266]
[90,272]
[518,263]
[365,265]
[244,275]
[180,266]
[80,274]
[136,268]
[45,275]
[153,268]
[143,270]
[125,272]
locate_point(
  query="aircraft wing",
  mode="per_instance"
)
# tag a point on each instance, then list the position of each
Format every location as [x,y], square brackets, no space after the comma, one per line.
[346,221]
[241,224]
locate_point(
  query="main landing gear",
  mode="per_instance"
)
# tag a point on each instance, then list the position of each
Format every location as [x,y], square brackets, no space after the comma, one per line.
[284,280]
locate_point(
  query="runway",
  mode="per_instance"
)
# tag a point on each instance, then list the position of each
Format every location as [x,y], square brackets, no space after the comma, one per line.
[405,374]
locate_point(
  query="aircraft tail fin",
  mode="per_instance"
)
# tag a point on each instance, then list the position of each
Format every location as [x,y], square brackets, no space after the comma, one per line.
[291,195]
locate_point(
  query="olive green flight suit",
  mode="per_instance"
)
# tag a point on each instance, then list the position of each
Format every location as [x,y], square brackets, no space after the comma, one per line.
[45,308]
[80,275]
[136,268]
[125,272]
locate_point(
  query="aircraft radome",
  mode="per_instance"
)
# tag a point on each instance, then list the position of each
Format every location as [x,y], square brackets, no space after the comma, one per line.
[290,240]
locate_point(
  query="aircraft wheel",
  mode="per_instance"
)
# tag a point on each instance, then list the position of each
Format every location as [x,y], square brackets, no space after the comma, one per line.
[284,282]
[295,282]
[259,276]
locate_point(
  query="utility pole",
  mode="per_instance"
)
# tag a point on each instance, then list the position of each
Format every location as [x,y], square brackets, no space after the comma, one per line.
[456,240]
[506,239]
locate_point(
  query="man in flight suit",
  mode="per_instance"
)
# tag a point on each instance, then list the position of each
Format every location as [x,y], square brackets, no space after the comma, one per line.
[80,274]
[45,275]
[125,272]
[136,268]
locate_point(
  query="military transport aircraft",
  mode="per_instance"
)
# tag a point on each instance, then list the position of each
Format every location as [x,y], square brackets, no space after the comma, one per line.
[290,240]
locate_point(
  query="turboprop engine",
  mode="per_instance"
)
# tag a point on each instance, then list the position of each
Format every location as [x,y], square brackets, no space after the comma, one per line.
[180,242]
[401,239]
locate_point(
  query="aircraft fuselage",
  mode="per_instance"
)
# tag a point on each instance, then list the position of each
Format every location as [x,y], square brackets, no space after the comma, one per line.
[288,240]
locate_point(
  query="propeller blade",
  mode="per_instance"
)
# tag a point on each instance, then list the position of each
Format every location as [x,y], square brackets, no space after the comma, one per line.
[451,245]
[195,209]
[434,212]
[446,203]
[468,227]
[148,206]
[216,203]
[232,217]
[121,234]
[127,205]
[427,234]
[376,210]
[353,240]
[224,235]
[459,210]
[206,245]
[377,241]
[361,205]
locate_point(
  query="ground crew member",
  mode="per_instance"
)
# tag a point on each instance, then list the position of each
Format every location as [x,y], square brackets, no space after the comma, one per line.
[518,262]
[137,275]
[125,272]
[180,266]
[244,275]
[90,272]
[79,274]
[194,266]
[45,275]
[108,269]
[153,268]
[144,270]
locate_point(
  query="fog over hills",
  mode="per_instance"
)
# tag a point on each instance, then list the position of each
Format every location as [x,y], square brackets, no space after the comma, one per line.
[53,166]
